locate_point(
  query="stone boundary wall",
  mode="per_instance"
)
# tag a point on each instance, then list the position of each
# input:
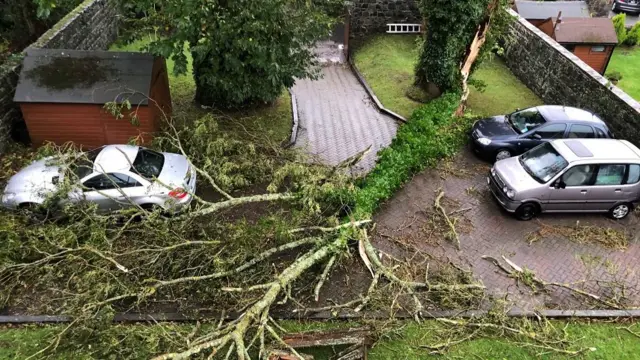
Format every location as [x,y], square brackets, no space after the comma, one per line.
[557,76]
[92,25]
[372,16]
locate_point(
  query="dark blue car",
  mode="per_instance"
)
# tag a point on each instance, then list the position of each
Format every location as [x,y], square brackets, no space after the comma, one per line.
[503,136]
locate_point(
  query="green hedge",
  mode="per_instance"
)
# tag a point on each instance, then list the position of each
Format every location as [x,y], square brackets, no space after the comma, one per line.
[430,134]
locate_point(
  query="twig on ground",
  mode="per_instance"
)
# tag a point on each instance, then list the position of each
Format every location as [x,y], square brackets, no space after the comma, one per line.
[323,277]
[452,226]
[527,277]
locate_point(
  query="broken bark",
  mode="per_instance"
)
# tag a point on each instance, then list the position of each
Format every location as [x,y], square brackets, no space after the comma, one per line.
[328,338]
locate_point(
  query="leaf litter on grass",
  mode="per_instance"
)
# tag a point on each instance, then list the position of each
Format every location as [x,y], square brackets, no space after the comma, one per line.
[582,234]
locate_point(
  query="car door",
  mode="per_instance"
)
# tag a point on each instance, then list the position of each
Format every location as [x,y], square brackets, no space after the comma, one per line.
[579,131]
[570,191]
[607,189]
[134,187]
[101,190]
[539,135]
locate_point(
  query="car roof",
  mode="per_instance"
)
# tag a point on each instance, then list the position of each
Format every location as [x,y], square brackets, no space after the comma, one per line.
[553,113]
[598,149]
[115,158]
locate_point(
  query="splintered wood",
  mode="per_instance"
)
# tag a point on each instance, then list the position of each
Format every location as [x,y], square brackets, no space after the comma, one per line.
[356,341]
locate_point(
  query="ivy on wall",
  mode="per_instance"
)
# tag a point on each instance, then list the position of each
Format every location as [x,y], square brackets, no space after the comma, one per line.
[450,29]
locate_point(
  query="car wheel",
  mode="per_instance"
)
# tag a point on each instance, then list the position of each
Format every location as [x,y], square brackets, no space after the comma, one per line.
[620,211]
[503,154]
[527,211]
[150,207]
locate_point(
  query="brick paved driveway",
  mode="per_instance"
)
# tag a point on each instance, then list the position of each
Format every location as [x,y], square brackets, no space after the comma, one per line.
[337,118]
[492,232]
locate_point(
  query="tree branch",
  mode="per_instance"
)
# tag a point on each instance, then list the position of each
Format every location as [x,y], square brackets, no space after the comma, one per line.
[214,207]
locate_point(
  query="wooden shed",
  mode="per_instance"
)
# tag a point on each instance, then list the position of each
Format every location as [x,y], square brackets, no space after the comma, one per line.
[592,39]
[62,94]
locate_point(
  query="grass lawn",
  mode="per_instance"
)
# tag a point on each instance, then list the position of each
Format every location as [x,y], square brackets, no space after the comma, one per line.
[503,93]
[626,61]
[608,341]
[269,121]
[387,62]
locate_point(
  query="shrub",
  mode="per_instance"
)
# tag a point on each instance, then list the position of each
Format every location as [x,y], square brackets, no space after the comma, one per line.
[633,35]
[599,7]
[430,134]
[614,76]
[621,30]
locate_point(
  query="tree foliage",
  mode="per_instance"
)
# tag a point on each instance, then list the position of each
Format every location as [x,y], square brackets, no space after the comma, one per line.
[633,35]
[450,28]
[244,51]
[629,37]
[619,25]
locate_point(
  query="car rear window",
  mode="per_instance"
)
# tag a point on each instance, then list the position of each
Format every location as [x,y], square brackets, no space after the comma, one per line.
[148,163]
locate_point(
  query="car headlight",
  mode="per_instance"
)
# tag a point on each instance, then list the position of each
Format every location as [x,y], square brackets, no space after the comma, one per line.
[484,141]
[511,194]
[493,171]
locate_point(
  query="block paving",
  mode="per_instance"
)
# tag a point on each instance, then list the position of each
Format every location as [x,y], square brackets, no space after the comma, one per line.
[493,232]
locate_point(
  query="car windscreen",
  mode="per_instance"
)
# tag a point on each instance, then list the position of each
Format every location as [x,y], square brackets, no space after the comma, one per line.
[543,162]
[148,163]
[526,120]
[83,164]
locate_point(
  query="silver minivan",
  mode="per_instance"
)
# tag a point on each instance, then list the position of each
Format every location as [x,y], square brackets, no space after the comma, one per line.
[569,175]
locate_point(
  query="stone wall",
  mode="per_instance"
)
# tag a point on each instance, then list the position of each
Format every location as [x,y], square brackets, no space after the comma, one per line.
[372,16]
[557,76]
[9,113]
[93,25]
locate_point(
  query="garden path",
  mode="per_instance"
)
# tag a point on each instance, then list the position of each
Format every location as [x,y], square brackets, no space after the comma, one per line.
[336,116]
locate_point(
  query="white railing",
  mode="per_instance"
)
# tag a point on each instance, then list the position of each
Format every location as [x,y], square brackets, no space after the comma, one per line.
[404,28]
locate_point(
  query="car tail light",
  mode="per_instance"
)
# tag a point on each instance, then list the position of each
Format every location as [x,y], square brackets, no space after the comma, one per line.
[178,193]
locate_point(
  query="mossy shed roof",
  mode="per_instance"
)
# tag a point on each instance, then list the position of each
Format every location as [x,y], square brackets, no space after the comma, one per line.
[585,31]
[84,77]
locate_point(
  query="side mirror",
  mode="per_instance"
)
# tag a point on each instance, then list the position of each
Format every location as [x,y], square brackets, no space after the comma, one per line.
[536,137]
[559,184]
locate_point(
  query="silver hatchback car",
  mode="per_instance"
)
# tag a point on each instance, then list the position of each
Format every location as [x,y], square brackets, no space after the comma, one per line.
[576,175]
[113,177]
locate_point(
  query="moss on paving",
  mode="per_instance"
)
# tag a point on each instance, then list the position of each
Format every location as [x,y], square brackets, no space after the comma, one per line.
[271,121]
[626,61]
[387,63]
[608,340]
